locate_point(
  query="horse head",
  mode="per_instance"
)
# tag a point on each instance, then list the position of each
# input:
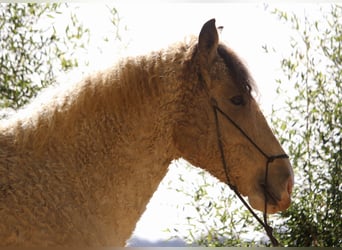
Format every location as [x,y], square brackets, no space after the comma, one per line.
[222,129]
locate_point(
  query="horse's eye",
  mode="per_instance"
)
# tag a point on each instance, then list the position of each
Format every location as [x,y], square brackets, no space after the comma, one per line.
[238,100]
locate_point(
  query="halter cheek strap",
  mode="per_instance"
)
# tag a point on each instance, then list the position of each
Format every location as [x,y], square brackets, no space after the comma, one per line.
[269,159]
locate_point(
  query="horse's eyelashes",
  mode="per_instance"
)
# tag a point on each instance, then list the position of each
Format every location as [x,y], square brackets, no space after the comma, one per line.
[238,100]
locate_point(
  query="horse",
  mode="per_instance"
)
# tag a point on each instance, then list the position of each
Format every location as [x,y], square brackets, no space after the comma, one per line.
[79,167]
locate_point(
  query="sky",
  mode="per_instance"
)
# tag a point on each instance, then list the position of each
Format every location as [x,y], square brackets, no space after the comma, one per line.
[150,26]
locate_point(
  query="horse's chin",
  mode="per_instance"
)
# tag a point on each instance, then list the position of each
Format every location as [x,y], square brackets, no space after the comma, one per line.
[258,202]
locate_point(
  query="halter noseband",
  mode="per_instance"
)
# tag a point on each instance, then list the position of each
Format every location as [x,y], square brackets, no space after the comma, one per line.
[269,159]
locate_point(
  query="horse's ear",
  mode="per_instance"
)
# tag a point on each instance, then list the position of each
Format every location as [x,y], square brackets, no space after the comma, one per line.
[208,42]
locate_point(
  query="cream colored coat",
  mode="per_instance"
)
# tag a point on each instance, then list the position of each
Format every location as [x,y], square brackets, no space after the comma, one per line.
[80,168]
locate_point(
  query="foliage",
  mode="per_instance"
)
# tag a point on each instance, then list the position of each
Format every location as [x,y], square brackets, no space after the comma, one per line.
[115,20]
[310,128]
[32,52]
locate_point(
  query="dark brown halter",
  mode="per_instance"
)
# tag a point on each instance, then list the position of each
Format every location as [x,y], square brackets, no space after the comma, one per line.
[269,159]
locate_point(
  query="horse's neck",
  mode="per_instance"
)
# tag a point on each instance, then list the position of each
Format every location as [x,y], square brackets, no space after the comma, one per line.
[122,117]
[124,113]
[109,139]
[130,100]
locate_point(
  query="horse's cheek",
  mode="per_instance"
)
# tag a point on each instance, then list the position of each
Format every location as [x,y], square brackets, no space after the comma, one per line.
[239,166]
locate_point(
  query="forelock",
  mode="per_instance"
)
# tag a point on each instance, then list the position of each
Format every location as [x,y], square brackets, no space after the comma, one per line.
[237,69]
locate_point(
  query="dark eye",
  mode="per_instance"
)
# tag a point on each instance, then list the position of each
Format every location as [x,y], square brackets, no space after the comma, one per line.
[238,100]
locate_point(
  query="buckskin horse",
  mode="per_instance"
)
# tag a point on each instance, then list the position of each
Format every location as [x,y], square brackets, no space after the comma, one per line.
[78,168]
